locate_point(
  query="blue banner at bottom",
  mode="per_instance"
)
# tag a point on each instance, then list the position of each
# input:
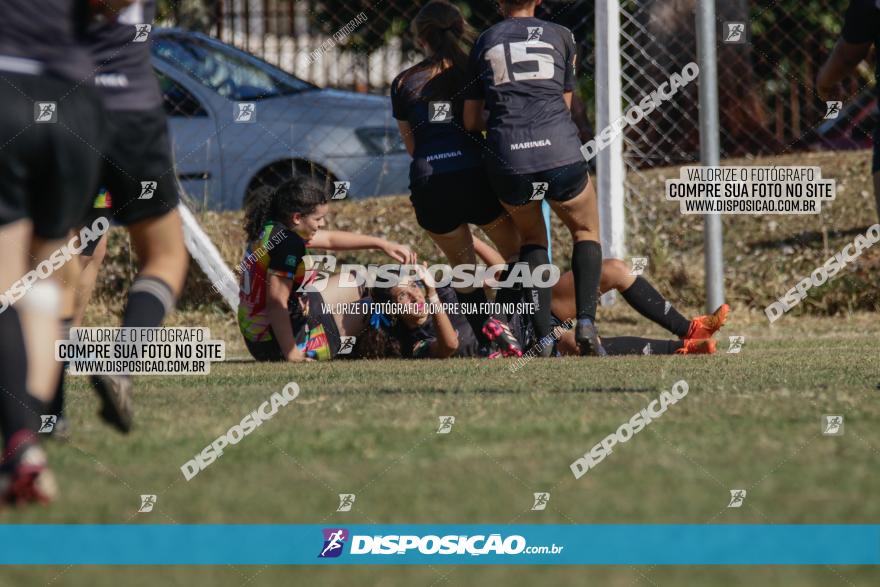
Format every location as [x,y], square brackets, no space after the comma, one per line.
[482,544]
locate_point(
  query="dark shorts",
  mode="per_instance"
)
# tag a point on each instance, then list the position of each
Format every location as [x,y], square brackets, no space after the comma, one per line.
[270,351]
[559,185]
[48,170]
[445,201]
[137,169]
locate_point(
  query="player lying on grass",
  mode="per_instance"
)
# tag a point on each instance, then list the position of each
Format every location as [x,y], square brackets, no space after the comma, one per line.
[449,186]
[636,290]
[522,71]
[419,334]
[386,335]
[274,308]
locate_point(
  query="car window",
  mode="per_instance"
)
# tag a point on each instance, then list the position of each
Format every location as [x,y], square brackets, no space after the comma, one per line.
[176,100]
[231,73]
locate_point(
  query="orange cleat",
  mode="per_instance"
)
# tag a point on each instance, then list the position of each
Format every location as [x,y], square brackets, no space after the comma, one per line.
[706,326]
[697,346]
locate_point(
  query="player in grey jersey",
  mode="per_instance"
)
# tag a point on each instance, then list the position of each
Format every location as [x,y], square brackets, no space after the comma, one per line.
[522,71]
[138,176]
[50,123]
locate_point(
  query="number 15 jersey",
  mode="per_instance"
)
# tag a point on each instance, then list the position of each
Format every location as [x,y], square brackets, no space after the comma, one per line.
[521,67]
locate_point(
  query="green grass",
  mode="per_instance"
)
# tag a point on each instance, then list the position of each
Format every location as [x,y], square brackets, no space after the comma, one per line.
[750,421]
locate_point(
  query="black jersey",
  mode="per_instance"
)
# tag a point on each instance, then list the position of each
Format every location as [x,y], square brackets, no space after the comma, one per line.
[414,344]
[862,25]
[521,67]
[120,49]
[45,36]
[441,143]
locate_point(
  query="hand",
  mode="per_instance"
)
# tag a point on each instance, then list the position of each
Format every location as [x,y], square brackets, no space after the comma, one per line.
[400,253]
[427,279]
[303,301]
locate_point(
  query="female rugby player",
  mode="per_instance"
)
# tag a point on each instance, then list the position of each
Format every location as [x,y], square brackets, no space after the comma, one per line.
[523,72]
[638,293]
[275,302]
[47,172]
[421,332]
[449,187]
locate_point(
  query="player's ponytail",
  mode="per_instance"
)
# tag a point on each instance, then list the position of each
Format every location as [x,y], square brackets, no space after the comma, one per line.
[378,340]
[443,28]
[298,194]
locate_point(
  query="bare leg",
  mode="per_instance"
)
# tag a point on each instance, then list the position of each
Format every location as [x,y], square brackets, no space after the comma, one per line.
[158,243]
[86,284]
[503,234]
[40,318]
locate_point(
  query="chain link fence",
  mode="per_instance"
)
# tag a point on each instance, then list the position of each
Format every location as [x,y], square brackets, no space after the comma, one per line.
[768,104]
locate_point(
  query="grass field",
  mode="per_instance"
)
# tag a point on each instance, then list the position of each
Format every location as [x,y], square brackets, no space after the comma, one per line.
[750,421]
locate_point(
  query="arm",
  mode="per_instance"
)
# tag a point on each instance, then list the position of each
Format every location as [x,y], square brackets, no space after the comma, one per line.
[407,136]
[473,115]
[567,97]
[446,342]
[856,36]
[279,317]
[843,60]
[340,240]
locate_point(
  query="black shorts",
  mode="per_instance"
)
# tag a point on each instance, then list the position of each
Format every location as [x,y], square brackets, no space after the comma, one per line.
[48,170]
[559,185]
[445,201]
[269,350]
[137,168]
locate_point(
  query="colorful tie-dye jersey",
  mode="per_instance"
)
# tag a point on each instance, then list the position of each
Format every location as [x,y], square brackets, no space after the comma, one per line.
[278,251]
[317,345]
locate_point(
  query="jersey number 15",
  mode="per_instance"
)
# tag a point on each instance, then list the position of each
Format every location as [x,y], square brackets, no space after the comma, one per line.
[519,54]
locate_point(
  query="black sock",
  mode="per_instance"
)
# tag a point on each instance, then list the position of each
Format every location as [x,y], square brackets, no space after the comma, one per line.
[149,300]
[19,410]
[586,264]
[475,319]
[56,406]
[648,302]
[632,345]
[508,295]
[536,255]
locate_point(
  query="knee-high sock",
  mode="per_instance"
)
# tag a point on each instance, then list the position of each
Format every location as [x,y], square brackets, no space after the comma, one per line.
[632,345]
[536,255]
[651,304]
[56,406]
[19,410]
[586,264]
[149,300]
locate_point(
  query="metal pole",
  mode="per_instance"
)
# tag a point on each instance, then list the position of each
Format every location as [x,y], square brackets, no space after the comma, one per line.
[710,147]
[610,170]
